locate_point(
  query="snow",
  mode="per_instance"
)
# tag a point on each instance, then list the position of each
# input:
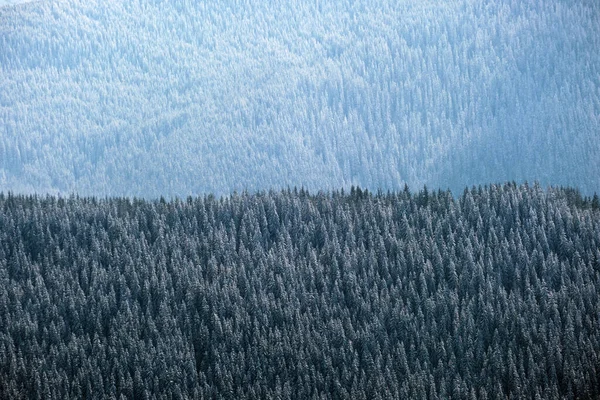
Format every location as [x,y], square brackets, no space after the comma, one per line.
[12,2]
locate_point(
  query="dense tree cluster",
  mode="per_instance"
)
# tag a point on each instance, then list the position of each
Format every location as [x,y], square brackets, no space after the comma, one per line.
[491,295]
[177,97]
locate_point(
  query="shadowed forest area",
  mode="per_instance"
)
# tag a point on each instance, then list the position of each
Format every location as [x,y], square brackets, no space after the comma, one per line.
[491,295]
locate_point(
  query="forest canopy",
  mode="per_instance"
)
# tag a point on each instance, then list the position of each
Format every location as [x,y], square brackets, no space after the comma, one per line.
[145,254]
[361,295]
[179,97]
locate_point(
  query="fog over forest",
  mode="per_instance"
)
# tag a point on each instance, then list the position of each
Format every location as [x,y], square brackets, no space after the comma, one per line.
[180,97]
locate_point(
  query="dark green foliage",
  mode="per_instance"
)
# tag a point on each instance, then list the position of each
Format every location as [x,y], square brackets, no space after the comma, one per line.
[296,295]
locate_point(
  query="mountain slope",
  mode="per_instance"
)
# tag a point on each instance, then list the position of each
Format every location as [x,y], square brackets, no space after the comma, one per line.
[181,97]
[491,295]
[12,2]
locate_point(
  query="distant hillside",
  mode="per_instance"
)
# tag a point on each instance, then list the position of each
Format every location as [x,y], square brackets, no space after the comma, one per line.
[12,2]
[178,97]
[492,295]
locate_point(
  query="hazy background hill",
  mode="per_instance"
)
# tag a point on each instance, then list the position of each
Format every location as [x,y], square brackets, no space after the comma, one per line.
[175,97]
[11,2]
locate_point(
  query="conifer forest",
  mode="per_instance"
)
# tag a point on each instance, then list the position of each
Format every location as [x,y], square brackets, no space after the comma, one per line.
[300,199]
[294,295]
[153,98]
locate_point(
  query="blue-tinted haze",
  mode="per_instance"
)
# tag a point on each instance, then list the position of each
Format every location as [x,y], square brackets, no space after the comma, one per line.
[181,97]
